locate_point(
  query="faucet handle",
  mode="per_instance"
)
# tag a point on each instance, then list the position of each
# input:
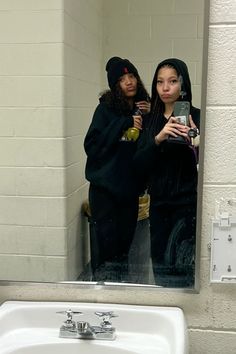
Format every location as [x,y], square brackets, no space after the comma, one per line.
[69,313]
[106,318]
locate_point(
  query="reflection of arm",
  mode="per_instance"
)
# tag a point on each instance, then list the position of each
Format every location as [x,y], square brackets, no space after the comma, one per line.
[196,120]
[195,113]
[104,132]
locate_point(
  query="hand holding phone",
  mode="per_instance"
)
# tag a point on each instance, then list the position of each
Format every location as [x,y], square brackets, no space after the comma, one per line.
[181,113]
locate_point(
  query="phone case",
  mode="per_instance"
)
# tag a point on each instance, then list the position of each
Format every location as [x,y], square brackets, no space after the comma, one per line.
[181,112]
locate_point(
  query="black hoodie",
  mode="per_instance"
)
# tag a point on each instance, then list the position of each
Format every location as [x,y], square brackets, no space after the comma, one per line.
[169,169]
[109,159]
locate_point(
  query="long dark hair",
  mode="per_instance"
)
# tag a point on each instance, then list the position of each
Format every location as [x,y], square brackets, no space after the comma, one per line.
[117,101]
[157,106]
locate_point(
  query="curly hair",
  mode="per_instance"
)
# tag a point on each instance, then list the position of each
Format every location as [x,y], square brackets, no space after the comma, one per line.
[117,101]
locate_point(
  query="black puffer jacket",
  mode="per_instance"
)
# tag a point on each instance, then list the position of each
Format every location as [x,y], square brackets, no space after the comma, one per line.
[109,159]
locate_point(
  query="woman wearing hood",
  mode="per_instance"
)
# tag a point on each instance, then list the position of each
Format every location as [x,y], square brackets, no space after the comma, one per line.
[170,167]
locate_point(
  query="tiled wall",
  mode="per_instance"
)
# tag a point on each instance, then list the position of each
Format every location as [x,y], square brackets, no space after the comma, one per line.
[148,32]
[50,74]
[32,139]
[52,65]
[83,39]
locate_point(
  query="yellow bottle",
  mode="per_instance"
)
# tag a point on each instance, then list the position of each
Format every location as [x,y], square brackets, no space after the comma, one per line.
[132,134]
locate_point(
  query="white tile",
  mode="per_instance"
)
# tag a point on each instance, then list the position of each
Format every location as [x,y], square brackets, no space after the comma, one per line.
[45,181]
[55,210]
[75,176]
[87,13]
[152,7]
[74,203]
[32,211]
[113,7]
[77,119]
[73,149]
[132,28]
[74,34]
[28,240]
[7,181]
[188,49]
[31,26]
[32,122]
[222,157]
[212,341]
[221,66]
[223,11]
[80,93]
[33,268]
[32,152]
[189,6]
[31,5]
[31,91]
[93,45]
[22,211]
[182,26]
[80,65]
[32,59]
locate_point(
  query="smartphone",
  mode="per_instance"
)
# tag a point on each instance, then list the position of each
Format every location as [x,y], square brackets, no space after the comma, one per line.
[181,113]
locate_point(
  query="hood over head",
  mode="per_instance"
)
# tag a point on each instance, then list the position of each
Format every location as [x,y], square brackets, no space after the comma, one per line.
[182,71]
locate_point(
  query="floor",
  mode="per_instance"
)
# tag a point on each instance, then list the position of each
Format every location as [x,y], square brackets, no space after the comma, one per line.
[139,269]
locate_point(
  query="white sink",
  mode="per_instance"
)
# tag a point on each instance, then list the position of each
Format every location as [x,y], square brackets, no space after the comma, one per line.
[33,328]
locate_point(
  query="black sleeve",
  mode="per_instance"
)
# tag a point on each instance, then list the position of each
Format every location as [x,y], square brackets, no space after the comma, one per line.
[145,157]
[195,112]
[105,131]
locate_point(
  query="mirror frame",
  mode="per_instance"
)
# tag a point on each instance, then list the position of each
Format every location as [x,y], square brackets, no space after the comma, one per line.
[202,144]
[123,286]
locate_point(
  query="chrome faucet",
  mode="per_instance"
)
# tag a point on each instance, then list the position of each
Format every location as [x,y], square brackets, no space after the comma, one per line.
[83,330]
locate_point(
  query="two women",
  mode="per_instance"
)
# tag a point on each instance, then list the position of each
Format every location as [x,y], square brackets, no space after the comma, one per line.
[165,162]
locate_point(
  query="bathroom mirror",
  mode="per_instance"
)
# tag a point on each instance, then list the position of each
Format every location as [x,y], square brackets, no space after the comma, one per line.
[145,33]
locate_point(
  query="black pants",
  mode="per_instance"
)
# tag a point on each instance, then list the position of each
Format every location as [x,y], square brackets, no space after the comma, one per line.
[112,227]
[173,232]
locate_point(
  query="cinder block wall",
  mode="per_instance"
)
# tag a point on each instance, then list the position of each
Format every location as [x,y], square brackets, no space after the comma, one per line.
[50,54]
[32,174]
[210,314]
[147,32]
[83,41]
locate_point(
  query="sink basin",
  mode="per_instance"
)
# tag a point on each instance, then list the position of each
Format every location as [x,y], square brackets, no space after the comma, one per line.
[33,328]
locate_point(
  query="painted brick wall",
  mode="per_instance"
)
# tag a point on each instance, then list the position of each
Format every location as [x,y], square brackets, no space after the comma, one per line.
[210,314]
[32,140]
[48,51]
[148,32]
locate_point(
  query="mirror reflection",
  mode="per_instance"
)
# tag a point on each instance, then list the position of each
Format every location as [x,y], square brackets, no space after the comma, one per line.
[41,241]
[132,147]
